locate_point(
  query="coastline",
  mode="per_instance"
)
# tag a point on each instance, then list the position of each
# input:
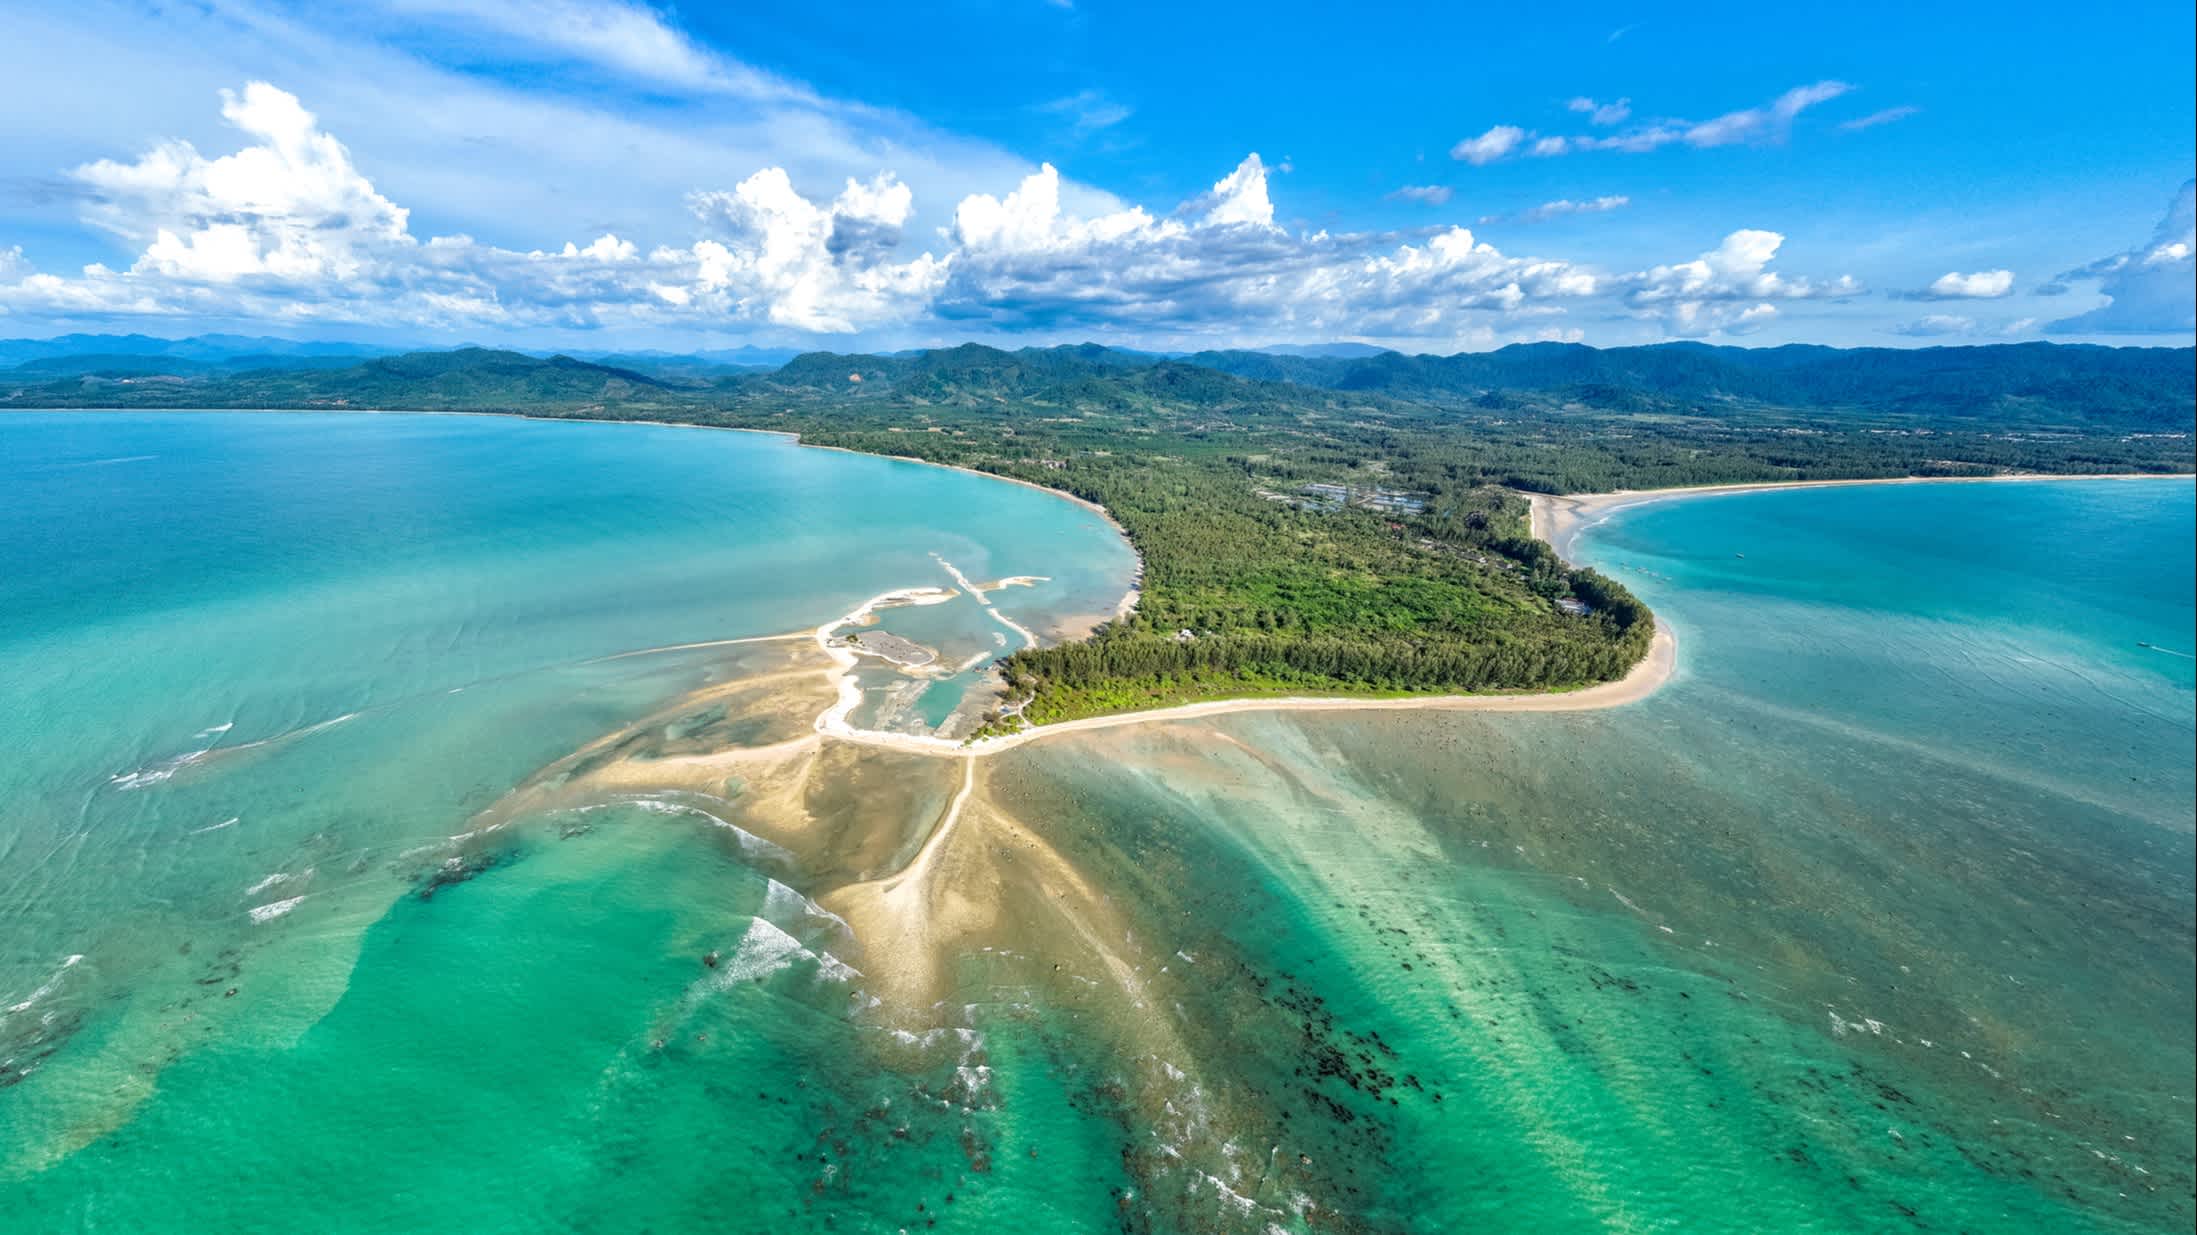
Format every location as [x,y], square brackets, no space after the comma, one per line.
[1559,518]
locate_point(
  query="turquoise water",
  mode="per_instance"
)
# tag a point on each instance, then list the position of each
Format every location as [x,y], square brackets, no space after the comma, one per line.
[249,658]
[1879,917]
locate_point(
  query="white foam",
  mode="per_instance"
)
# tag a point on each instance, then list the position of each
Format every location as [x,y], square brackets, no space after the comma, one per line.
[1029,637]
[278,877]
[751,845]
[763,950]
[230,822]
[1237,1200]
[962,580]
[787,907]
[269,912]
[46,988]
[154,773]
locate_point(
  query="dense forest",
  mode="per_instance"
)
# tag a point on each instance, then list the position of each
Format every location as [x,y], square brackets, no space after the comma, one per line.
[1306,524]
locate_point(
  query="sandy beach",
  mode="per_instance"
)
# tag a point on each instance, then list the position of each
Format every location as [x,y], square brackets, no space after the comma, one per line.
[1559,518]
[1652,672]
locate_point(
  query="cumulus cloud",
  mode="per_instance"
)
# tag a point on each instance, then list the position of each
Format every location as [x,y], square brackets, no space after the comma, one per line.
[1729,288]
[1489,146]
[290,228]
[291,205]
[792,262]
[1953,285]
[2149,288]
[1023,262]
[1241,197]
[1601,114]
[1424,194]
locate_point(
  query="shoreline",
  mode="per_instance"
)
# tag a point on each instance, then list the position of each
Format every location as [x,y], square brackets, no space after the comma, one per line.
[1559,518]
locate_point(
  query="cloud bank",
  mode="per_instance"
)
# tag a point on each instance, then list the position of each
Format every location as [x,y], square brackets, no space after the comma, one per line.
[2150,288]
[289,227]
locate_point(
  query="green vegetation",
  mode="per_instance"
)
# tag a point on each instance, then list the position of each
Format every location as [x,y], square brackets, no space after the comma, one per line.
[1420,574]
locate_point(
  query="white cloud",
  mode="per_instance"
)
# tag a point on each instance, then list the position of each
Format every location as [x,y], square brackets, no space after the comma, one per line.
[1565,206]
[629,39]
[1602,115]
[1240,197]
[1489,146]
[1981,285]
[1764,125]
[2149,288]
[1768,123]
[290,228]
[1425,194]
[1729,288]
[1089,111]
[1937,325]
[480,131]
[291,205]
[1875,118]
[792,262]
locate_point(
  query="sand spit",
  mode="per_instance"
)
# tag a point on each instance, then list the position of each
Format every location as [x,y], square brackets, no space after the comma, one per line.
[1653,670]
[1559,519]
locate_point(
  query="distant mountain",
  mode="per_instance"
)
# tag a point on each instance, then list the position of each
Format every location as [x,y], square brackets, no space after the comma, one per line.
[2146,385]
[2035,385]
[117,355]
[1332,351]
[725,358]
[210,349]
[470,378]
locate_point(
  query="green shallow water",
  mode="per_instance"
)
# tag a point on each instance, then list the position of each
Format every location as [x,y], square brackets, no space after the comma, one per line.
[1877,918]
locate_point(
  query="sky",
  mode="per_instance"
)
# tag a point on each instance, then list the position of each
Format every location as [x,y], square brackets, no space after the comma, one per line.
[608,174]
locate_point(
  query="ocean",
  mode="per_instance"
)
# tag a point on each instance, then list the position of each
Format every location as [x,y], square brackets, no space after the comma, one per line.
[353,876]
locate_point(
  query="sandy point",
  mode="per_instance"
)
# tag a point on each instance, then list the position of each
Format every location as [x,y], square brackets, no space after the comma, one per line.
[1645,678]
[1560,518]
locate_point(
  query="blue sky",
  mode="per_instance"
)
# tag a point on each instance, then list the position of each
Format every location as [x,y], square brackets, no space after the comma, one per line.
[589,173]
